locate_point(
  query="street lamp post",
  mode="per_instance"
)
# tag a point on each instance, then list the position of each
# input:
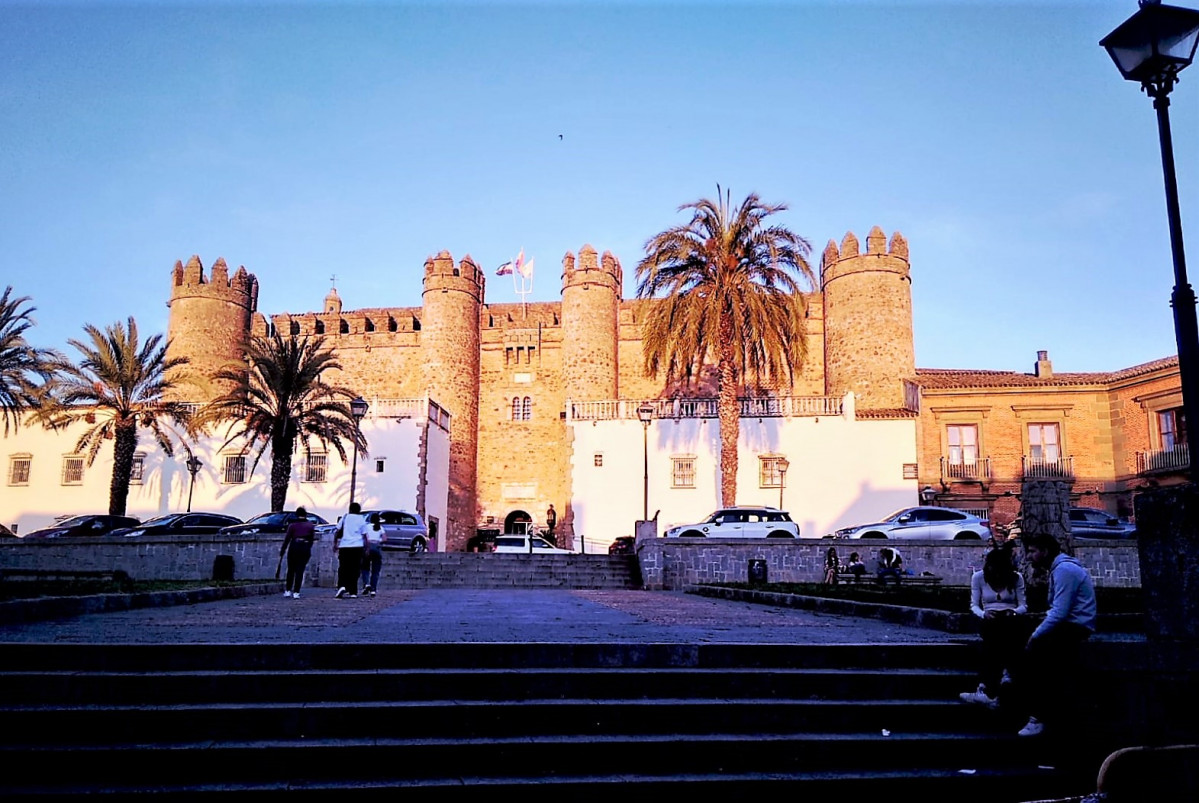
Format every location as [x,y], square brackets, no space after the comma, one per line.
[1152,47]
[928,496]
[646,414]
[783,464]
[358,409]
[193,467]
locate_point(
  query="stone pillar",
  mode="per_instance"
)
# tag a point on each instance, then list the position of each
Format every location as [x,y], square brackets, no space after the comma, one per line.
[1168,540]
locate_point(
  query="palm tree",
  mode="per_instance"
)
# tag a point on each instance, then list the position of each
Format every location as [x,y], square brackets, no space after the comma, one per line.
[730,292]
[117,387]
[20,363]
[282,402]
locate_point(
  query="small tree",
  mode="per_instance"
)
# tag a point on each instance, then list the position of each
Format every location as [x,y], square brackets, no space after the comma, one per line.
[24,370]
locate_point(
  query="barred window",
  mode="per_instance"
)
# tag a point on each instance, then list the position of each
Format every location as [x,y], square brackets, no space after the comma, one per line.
[683,472]
[137,471]
[235,469]
[598,460]
[770,471]
[314,468]
[72,470]
[18,469]
[527,411]
[522,409]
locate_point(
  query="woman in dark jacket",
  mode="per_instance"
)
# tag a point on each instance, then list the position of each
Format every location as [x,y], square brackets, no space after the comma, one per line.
[298,546]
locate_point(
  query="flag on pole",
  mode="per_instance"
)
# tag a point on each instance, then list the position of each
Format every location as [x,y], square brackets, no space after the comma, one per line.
[520,260]
[508,268]
[504,270]
[526,269]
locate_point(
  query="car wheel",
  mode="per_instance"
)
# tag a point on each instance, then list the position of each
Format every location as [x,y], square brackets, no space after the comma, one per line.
[779,534]
[418,545]
[873,534]
[691,534]
[967,536]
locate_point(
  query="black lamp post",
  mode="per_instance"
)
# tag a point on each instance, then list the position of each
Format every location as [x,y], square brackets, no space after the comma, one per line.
[646,414]
[358,409]
[783,464]
[193,467]
[1152,47]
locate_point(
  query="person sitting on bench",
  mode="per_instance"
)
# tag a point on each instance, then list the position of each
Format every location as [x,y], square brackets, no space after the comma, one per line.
[855,566]
[890,565]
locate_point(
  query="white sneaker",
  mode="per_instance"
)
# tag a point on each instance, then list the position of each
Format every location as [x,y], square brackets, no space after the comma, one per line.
[979,697]
[1033,728]
[1006,679]
[296,595]
[341,592]
[287,593]
[372,592]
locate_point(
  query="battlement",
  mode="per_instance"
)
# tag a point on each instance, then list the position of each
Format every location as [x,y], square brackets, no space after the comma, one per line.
[442,273]
[334,325]
[189,281]
[592,269]
[892,257]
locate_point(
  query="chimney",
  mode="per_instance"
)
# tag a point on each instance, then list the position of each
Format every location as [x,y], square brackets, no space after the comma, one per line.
[1044,369]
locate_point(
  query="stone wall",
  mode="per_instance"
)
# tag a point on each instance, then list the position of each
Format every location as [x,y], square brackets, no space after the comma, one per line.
[674,563]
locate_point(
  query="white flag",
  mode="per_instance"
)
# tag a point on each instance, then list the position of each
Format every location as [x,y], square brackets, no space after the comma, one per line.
[526,269]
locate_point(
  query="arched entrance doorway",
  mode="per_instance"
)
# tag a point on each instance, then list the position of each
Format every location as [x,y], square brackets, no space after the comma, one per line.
[518,522]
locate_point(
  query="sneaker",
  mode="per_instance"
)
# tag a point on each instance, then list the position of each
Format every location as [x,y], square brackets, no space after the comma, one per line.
[287,593]
[1033,728]
[372,592]
[1006,679]
[366,590]
[296,595]
[979,697]
[353,596]
[341,592]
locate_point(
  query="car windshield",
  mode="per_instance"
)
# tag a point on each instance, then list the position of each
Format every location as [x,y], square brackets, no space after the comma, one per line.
[901,512]
[167,519]
[269,518]
[74,521]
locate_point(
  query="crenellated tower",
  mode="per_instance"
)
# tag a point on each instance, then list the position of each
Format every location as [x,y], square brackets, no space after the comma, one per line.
[868,340]
[450,341]
[591,290]
[209,319]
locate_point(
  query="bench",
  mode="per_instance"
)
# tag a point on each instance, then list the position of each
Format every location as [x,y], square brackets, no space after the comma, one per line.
[112,575]
[844,576]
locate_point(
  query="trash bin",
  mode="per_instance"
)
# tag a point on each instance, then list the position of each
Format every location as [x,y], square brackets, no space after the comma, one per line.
[757,572]
[222,567]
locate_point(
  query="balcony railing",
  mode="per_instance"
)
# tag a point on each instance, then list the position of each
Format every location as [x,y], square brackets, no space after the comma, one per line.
[1176,459]
[974,471]
[768,407]
[1040,468]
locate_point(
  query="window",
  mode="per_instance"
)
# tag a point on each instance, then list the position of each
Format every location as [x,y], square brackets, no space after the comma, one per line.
[380,464]
[72,470]
[770,471]
[1043,443]
[598,460]
[18,469]
[1173,426]
[137,471]
[522,409]
[682,472]
[962,440]
[314,468]
[235,469]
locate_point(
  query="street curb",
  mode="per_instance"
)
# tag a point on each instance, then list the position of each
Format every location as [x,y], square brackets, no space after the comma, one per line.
[21,611]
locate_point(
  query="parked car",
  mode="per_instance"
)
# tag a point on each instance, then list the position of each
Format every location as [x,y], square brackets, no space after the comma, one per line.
[180,524]
[922,524]
[740,522]
[78,526]
[1089,522]
[401,529]
[624,545]
[269,523]
[526,544]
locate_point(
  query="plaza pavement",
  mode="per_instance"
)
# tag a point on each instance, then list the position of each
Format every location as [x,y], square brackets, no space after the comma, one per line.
[472,615]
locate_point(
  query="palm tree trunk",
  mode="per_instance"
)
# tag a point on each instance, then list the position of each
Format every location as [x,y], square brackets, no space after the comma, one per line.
[729,413]
[281,451]
[122,466]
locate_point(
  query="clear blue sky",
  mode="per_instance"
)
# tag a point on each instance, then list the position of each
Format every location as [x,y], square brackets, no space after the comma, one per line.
[319,138]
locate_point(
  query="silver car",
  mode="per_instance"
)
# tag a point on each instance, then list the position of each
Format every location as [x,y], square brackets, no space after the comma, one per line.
[401,529]
[922,524]
[740,522]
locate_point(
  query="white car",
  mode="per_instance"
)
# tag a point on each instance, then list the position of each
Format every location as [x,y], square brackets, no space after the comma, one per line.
[922,523]
[740,522]
[527,545]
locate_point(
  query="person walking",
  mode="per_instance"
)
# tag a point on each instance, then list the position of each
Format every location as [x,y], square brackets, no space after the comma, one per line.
[551,524]
[1054,648]
[348,546]
[372,557]
[297,545]
[997,599]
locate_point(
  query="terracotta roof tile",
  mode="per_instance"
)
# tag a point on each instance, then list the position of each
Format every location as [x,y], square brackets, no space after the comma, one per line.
[957,378]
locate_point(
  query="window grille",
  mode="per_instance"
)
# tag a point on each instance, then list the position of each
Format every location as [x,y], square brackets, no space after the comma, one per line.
[315,467]
[72,471]
[683,472]
[235,469]
[770,471]
[18,470]
[137,471]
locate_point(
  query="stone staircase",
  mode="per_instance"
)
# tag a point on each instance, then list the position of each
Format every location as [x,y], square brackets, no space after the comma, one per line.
[543,721]
[489,570]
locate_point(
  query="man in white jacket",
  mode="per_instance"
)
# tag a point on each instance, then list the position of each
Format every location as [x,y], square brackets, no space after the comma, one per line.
[348,545]
[1053,648]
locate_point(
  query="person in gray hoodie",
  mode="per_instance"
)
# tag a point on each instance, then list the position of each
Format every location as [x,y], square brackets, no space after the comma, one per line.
[1052,652]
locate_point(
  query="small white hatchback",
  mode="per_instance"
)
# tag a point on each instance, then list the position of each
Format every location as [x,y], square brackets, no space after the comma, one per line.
[527,545]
